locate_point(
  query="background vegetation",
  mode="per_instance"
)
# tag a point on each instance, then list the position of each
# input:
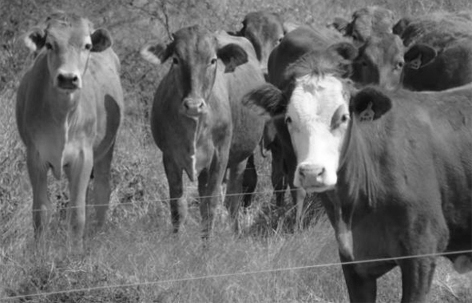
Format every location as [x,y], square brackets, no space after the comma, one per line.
[136,248]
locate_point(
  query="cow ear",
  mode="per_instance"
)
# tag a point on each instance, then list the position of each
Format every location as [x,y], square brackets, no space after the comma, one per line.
[232,56]
[268,99]
[341,25]
[370,104]
[346,50]
[289,26]
[419,55]
[35,39]
[101,40]
[157,53]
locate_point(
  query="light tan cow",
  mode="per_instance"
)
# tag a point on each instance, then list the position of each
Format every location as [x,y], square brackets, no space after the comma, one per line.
[69,108]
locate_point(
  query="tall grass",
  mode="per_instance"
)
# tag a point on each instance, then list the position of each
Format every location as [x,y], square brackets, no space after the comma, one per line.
[136,247]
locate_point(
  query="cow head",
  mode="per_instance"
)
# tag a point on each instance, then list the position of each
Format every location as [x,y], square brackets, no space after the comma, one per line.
[67,41]
[380,61]
[194,53]
[265,31]
[314,108]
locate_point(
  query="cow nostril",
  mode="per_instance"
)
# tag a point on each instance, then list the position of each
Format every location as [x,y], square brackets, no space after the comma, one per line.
[201,105]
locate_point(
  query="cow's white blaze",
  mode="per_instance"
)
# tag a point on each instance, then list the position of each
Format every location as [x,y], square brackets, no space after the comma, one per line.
[316,119]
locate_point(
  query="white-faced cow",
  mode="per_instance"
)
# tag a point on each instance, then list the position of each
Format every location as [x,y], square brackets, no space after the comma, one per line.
[283,73]
[395,169]
[198,120]
[69,107]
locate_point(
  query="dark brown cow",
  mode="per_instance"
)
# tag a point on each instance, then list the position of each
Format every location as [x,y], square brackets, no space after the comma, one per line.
[395,170]
[265,31]
[295,45]
[69,107]
[435,54]
[198,120]
[366,22]
[439,53]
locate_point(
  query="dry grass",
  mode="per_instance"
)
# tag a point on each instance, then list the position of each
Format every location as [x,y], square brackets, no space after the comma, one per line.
[136,247]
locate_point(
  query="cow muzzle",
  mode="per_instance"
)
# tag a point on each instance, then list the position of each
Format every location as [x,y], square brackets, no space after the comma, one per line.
[194,107]
[68,81]
[313,178]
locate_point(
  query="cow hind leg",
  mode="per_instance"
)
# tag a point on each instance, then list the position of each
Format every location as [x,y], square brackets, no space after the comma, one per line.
[41,204]
[178,205]
[101,186]
[78,172]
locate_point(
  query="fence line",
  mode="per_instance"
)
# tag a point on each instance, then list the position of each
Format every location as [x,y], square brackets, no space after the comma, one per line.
[170,199]
[266,271]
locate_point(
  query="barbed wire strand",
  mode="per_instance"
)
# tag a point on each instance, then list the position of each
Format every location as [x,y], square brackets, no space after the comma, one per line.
[227,275]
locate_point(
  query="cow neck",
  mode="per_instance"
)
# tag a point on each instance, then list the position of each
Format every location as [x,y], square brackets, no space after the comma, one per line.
[359,177]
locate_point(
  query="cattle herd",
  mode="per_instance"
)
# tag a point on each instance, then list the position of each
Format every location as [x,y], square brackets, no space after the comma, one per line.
[372,114]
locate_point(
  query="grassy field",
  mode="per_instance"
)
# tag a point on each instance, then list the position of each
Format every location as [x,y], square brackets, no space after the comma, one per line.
[136,258]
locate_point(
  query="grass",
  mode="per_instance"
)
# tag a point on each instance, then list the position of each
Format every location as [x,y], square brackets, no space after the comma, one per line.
[136,247]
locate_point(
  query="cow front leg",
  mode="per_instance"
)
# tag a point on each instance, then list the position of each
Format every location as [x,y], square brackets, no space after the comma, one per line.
[233,199]
[178,205]
[417,276]
[78,172]
[360,288]
[41,205]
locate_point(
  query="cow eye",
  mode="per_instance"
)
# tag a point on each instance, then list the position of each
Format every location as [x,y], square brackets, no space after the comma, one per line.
[88,46]
[400,65]
[345,118]
[288,120]
[48,45]
[175,60]
[213,61]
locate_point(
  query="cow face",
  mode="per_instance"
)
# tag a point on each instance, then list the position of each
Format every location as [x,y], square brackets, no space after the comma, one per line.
[315,112]
[68,41]
[194,53]
[380,61]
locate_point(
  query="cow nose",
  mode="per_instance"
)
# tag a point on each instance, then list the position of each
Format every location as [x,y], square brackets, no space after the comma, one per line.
[311,171]
[194,106]
[68,81]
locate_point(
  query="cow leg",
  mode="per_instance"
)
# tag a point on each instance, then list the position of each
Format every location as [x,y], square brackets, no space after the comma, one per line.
[78,172]
[232,199]
[360,288]
[101,186]
[178,205]
[417,276]
[249,181]
[41,204]
[298,195]
[278,176]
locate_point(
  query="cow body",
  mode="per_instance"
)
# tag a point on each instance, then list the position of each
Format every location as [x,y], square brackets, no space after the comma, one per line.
[198,120]
[69,107]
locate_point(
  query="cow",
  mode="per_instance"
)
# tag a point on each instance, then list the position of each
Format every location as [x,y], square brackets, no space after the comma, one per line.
[198,120]
[393,169]
[265,30]
[366,22]
[433,53]
[439,53]
[68,109]
[295,45]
